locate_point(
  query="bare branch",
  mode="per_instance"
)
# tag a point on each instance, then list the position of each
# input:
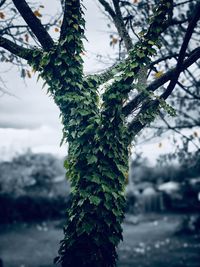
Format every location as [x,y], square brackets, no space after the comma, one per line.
[34,23]
[117,18]
[182,52]
[119,23]
[194,96]
[15,49]
[108,8]
[163,58]
[179,132]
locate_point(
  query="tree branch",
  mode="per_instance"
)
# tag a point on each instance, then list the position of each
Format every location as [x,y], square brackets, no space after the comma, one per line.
[170,56]
[158,23]
[179,132]
[15,49]
[194,96]
[108,8]
[2,2]
[34,23]
[136,125]
[182,52]
[194,56]
[117,18]
[119,23]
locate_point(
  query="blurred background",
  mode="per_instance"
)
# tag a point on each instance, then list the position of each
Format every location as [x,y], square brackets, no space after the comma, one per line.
[162,221]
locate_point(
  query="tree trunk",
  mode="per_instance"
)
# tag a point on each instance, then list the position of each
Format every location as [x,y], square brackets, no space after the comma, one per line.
[93,228]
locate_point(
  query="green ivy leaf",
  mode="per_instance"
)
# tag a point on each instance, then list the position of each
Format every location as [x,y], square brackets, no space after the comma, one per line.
[94,200]
[94,178]
[92,159]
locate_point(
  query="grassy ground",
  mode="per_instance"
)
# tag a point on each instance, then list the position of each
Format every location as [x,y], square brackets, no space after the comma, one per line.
[149,243]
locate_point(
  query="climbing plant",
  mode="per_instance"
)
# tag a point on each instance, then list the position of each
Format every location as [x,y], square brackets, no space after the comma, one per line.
[95,121]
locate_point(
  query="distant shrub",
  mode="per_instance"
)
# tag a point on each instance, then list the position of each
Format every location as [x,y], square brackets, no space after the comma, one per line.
[29,171]
[30,208]
[32,187]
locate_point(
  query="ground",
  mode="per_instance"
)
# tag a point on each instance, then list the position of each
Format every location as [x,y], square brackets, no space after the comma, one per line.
[151,242]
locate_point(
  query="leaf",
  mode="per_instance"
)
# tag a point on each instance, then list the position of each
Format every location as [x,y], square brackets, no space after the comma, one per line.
[140,54]
[2,15]
[89,128]
[80,202]
[56,29]
[114,240]
[92,159]
[58,62]
[26,36]
[75,26]
[95,179]
[158,74]
[37,13]
[134,65]
[23,73]
[88,227]
[56,260]
[151,42]
[114,41]
[73,134]
[28,73]
[122,169]
[94,200]
[111,175]
[106,188]
[66,164]
[84,112]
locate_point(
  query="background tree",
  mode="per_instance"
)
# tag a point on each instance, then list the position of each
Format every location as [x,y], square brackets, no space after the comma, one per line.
[99,125]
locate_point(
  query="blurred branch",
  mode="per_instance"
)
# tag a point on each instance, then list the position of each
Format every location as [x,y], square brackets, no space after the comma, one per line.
[2,2]
[188,92]
[177,131]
